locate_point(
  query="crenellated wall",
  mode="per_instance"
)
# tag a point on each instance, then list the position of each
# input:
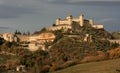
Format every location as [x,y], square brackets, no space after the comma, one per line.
[63,22]
[76,19]
[69,20]
[67,23]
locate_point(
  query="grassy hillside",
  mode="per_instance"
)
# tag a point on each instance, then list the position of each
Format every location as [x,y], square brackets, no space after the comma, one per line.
[110,66]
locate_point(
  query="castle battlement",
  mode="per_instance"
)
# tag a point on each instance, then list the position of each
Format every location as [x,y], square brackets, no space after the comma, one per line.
[69,20]
[67,23]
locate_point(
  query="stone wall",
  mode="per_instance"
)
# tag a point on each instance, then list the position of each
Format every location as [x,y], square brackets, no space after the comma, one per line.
[59,27]
[38,41]
[115,41]
[70,19]
[98,26]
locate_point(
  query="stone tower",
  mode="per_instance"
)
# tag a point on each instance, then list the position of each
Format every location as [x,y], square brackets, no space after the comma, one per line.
[57,21]
[69,19]
[81,20]
[91,22]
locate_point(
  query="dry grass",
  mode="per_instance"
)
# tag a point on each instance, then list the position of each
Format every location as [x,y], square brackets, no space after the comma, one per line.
[109,66]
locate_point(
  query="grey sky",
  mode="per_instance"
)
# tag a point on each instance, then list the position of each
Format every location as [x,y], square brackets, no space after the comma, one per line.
[32,15]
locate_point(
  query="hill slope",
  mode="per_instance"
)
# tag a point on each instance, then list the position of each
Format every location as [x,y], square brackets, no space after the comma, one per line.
[110,66]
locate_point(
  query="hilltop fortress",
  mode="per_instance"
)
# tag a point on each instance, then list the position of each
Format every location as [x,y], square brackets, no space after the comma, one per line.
[69,22]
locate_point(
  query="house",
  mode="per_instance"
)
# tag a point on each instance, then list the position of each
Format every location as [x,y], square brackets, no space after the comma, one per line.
[20,68]
[9,37]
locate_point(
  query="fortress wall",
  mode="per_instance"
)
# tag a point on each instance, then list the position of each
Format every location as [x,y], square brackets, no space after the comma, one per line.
[59,27]
[63,22]
[86,23]
[98,26]
[91,22]
[76,19]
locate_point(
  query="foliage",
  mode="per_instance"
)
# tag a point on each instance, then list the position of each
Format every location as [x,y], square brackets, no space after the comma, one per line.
[35,61]
[17,32]
[116,35]
[41,31]
[54,25]
[1,41]
[58,34]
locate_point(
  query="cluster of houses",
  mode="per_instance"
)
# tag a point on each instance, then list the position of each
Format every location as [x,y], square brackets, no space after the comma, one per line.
[32,42]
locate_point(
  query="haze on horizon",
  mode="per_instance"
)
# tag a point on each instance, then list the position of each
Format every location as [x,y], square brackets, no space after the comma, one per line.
[32,15]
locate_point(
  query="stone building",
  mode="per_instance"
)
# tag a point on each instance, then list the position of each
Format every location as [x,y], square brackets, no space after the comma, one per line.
[23,38]
[43,37]
[38,41]
[9,37]
[67,23]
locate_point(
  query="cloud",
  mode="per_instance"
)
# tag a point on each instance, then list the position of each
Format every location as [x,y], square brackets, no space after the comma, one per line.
[90,0]
[108,20]
[87,2]
[12,11]
[1,27]
[16,8]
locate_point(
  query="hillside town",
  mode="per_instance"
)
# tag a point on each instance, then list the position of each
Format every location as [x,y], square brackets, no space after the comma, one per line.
[69,42]
[37,41]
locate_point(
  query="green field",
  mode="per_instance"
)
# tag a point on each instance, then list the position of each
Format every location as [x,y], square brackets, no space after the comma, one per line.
[108,66]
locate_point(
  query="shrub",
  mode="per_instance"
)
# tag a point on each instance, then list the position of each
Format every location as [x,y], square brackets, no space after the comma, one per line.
[114,53]
[99,57]
[45,69]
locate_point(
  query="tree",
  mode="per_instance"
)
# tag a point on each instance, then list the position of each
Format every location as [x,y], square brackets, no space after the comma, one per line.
[41,31]
[1,41]
[17,32]
[28,33]
[54,24]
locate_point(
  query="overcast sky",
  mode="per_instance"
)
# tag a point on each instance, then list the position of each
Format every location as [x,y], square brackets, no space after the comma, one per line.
[32,15]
